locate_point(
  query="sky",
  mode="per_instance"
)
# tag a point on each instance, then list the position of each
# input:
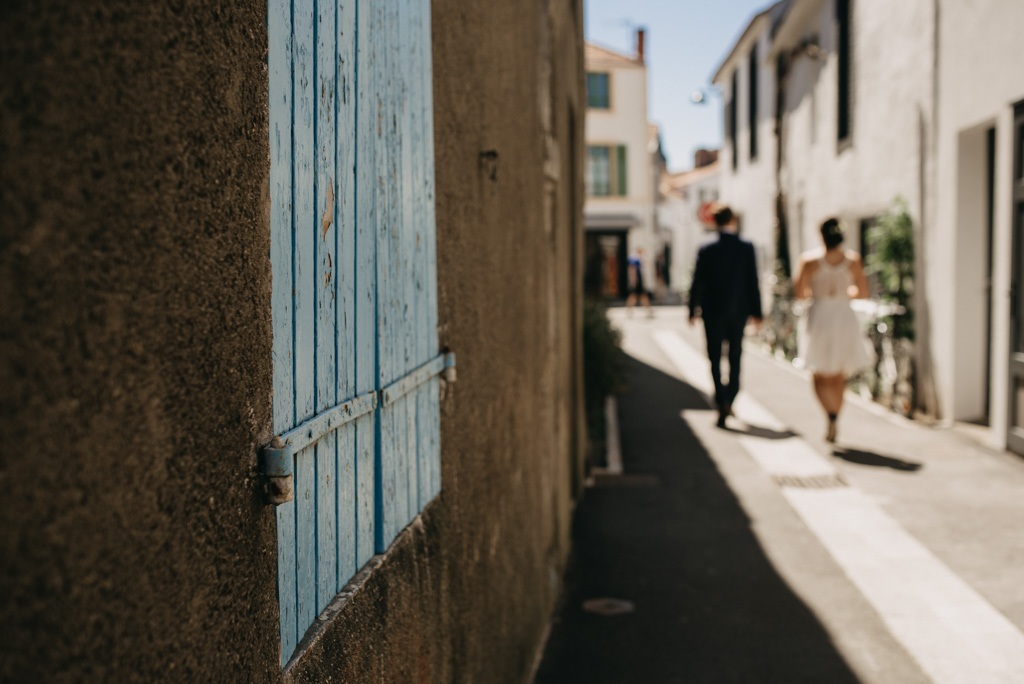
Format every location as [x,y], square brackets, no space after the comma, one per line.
[686,41]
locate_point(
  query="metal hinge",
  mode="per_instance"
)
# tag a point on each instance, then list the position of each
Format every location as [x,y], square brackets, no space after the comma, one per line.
[278,457]
[276,463]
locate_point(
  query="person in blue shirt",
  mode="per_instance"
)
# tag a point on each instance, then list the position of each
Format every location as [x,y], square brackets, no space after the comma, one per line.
[725,293]
[637,290]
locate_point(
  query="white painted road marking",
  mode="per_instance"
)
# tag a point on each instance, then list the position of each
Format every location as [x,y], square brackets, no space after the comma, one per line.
[955,635]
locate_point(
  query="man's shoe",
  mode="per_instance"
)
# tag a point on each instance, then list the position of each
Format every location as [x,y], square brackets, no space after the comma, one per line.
[723,411]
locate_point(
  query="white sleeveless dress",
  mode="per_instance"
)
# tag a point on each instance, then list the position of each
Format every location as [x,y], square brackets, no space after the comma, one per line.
[831,339]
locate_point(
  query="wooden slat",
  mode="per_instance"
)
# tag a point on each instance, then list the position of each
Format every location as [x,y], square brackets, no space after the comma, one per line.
[304,260]
[345,280]
[366,458]
[325,193]
[406,72]
[396,70]
[305,537]
[385,489]
[279,62]
[366,190]
[433,398]
[304,256]
[412,493]
[346,495]
[418,167]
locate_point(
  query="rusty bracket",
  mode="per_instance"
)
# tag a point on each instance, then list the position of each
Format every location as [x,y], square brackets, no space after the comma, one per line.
[276,461]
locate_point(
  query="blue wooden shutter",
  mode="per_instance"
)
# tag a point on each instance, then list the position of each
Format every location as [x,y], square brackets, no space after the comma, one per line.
[354,287]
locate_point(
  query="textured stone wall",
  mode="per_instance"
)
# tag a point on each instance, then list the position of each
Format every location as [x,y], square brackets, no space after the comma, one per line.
[135,342]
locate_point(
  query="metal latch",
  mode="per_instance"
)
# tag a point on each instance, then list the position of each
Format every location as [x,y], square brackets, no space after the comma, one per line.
[276,463]
[449,367]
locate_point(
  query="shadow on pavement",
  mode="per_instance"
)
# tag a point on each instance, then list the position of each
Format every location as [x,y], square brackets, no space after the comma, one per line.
[708,606]
[870,458]
[763,432]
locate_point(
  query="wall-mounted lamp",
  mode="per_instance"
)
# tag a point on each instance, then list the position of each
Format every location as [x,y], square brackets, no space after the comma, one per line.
[809,47]
[700,96]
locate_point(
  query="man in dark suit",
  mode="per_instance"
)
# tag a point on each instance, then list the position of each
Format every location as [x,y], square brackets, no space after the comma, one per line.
[725,293]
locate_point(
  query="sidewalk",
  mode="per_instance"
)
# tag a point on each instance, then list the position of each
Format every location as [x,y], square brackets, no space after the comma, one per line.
[760,554]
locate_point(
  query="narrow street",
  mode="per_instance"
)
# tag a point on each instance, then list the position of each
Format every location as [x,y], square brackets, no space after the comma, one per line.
[761,553]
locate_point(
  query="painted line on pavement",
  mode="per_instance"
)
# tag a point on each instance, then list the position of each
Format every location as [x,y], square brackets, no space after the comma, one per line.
[955,635]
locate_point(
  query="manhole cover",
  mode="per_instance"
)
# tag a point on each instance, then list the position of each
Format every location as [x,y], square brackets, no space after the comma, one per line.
[629,480]
[608,606]
[824,481]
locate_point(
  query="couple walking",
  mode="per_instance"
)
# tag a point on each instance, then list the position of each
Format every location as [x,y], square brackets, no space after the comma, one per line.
[725,294]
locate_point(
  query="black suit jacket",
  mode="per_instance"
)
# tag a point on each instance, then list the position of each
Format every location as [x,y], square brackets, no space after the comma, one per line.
[724,286]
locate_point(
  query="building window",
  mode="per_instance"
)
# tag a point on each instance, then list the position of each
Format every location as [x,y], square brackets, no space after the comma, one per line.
[752,102]
[731,123]
[597,91]
[845,58]
[606,171]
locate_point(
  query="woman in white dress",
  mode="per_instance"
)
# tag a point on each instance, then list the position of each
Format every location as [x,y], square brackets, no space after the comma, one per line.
[831,342]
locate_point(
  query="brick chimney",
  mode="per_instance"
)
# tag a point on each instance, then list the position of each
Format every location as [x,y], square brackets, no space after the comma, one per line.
[640,35]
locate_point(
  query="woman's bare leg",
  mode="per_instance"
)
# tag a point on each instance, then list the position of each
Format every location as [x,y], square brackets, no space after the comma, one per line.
[830,389]
[838,390]
[821,390]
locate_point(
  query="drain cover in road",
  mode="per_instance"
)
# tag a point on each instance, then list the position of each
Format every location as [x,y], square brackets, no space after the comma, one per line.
[608,606]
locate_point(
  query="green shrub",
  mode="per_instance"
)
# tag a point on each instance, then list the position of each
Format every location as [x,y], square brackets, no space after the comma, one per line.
[891,259]
[602,364]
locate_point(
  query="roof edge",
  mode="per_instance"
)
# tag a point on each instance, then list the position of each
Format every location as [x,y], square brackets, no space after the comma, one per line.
[766,12]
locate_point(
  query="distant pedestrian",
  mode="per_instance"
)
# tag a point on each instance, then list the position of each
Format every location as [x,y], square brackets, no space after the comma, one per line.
[725,293]
[636,283]
[831,342]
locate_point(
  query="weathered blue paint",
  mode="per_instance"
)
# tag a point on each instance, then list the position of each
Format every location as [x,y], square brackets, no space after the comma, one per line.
[385,483]
[352,254]
[411,380]
[279,63]
[310,431]
[304,264]
[366,188]
[325,69]
[345,280]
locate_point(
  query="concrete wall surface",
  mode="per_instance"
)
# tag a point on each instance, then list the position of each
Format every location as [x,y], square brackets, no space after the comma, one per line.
[135,352]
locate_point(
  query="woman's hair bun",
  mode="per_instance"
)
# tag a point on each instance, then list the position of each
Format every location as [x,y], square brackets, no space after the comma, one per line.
[832,232]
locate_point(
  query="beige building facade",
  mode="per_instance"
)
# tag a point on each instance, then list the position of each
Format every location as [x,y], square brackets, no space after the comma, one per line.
[619,208]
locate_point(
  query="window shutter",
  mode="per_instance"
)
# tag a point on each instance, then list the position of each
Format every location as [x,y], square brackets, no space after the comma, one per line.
[620,157]
[354,299]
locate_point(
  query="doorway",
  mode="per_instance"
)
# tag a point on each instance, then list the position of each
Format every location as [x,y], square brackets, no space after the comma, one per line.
[605,277]
[1015,424]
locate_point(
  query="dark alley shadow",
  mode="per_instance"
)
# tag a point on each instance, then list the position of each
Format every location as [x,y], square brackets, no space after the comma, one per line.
[709,604]
[870,458]
[762,432]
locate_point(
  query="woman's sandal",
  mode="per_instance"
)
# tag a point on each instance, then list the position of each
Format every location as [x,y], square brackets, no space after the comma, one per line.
[830,436]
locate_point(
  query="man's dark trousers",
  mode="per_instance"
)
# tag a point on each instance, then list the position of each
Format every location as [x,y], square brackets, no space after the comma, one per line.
[718,332]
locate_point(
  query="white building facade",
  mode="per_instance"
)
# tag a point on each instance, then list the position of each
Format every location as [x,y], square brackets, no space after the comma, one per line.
[974,279]
[680,198]
[619,210]
[865,101]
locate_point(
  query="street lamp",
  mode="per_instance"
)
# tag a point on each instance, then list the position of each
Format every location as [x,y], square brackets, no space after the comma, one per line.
[700,96]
